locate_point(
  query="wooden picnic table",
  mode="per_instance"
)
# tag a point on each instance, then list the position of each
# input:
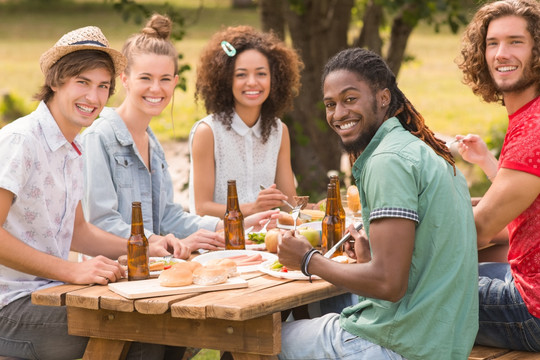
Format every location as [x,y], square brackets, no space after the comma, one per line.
[245,322]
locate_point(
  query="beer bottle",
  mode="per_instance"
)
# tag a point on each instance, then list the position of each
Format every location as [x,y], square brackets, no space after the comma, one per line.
[233,221]
[331,224]
[342,214]
[138,268]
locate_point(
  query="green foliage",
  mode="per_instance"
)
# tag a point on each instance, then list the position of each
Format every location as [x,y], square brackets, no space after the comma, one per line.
[12,107]
[138,12]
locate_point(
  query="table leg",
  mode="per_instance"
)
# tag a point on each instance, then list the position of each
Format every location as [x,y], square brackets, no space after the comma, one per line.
[106,349]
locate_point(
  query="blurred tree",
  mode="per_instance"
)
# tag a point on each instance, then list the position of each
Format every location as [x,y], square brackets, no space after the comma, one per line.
[318,30]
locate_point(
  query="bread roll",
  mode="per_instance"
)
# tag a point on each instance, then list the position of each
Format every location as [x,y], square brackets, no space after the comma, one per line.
[176,276]
[353,198]
[210,275]
[191,265]
[287,219]
[316,215]
[227,263]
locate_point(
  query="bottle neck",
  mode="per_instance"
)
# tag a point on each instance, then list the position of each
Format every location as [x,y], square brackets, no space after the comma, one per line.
[137,226]
[331,201]
[232,198]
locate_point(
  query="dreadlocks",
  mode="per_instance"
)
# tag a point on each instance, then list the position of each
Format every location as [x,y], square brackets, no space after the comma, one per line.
[371,68]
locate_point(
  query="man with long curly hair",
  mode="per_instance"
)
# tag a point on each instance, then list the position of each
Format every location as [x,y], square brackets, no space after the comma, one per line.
[500,62]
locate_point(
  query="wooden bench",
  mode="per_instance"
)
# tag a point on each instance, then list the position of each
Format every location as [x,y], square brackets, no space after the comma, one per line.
[489,353]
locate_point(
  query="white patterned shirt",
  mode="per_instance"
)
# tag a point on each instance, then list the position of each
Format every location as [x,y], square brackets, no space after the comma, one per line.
[44,172]
[239,154]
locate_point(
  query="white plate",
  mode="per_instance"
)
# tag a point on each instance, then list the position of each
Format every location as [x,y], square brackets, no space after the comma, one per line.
[291,274]
[171,260]
[221,254]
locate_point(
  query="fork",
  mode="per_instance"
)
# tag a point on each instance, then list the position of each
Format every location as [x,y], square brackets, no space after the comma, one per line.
[264,227]
[293,208]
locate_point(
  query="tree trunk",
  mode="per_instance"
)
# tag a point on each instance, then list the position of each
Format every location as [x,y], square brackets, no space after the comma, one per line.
[272,13]
[318,32]
[401,31]
[370,37]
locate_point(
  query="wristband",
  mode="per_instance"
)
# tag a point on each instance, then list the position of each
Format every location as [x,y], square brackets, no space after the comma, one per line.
[305,261]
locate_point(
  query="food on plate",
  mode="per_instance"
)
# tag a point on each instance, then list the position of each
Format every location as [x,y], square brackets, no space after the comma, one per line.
[226,263]
[277,266]
[272,239]
[312,235]
[256,237]
[344,259]
[287,219]
[353,198]
[176,276]
[157,265]
[316,215]
[247,260]
[210,275]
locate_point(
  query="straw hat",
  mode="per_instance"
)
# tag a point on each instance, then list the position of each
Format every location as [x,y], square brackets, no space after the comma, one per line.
[86,38]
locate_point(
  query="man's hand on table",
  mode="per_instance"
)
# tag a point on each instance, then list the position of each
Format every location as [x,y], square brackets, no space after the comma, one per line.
[97,270]
[291,250]
[166,245]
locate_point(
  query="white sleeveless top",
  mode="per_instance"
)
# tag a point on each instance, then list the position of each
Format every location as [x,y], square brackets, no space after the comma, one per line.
[240,155]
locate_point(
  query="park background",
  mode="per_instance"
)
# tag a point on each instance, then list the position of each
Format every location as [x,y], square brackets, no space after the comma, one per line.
[430,78]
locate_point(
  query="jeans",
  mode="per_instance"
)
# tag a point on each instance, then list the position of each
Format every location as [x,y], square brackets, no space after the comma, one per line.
[31,331]
[504,318]
[323,338]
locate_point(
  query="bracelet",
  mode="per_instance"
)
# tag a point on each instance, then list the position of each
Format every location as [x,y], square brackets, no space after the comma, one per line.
[305,261]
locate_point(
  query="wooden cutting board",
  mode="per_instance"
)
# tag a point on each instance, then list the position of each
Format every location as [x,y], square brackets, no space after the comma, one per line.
[148,288]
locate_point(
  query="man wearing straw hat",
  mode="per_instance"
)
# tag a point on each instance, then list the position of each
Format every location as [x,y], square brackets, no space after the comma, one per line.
[40,190]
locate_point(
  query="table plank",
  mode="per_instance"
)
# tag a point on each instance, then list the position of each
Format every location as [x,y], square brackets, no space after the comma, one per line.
[255,336]
[485,353]
[196,307]
[519,355]
[160,305]
[112,301]
[54,296]
[271,300]
[87,298]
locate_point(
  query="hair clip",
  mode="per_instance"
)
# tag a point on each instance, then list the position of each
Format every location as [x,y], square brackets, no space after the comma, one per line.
[228,48]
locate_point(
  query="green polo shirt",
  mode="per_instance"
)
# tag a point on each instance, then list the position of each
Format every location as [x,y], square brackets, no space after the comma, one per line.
[398,175]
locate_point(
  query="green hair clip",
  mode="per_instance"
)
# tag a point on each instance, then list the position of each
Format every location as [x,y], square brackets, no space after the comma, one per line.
[228,48]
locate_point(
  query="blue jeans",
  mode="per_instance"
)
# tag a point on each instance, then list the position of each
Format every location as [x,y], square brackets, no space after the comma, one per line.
[323,338]
[31,331]
[504,318]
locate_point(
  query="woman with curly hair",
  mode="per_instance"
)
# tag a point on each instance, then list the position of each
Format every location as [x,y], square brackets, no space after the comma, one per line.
[247,80]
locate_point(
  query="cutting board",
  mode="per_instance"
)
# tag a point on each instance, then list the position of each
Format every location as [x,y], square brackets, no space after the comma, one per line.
[148,288]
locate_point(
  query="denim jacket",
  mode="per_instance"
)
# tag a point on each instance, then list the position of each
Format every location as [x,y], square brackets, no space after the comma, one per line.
[115,176]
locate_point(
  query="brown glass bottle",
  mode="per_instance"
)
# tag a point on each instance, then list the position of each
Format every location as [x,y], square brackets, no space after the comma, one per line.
[331,224]
[233,221]
[138,268]
[342,215]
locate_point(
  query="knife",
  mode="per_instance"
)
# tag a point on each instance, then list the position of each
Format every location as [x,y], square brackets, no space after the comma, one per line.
[342,241]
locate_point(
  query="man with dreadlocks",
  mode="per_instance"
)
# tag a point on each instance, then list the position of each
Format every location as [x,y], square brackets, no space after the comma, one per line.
[501,63]
[416,269]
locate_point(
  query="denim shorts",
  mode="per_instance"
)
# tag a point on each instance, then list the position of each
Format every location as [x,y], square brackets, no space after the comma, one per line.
[40,332]
[504,318]
[323,338]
